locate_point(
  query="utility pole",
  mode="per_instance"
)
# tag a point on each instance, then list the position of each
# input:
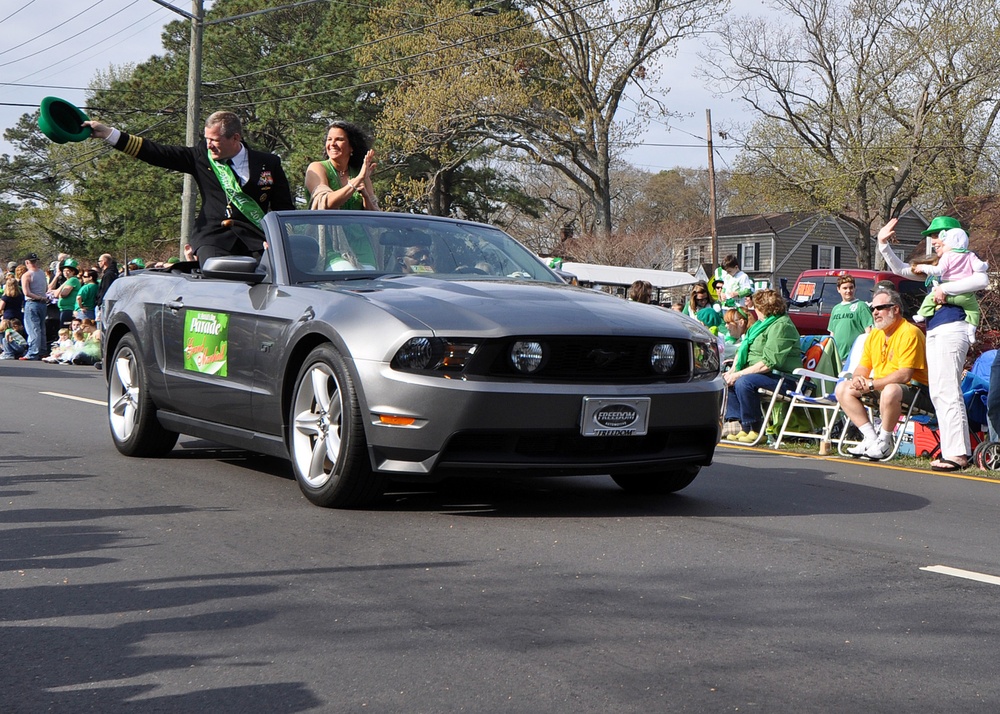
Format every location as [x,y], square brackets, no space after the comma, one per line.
[191,134]
[711,190]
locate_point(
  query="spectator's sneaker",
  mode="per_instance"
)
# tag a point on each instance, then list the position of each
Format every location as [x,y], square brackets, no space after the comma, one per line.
[738,436]
[880,449]
[748,438]
[861,449]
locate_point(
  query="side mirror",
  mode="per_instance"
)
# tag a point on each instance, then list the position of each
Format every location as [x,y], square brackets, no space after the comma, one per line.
[240,268]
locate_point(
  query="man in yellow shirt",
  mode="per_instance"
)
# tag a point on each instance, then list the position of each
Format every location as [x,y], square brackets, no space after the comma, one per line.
[892,366]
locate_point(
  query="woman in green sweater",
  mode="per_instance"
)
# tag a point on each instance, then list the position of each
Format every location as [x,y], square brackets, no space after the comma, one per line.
[772,344]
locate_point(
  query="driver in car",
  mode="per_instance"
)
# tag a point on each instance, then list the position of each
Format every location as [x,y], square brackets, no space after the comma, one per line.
[417,259]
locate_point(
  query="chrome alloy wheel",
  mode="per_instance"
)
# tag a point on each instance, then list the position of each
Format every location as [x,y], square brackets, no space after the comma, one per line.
[123,395]
[318,419]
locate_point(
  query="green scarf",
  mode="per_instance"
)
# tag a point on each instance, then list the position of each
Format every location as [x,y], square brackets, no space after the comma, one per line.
[755,329]
[234,194]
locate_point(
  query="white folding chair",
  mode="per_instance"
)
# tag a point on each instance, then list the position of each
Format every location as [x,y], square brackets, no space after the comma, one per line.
[820,396]
[910,409]
[781,394]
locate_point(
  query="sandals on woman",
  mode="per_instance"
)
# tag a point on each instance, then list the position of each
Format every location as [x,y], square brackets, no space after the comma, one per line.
[947,465]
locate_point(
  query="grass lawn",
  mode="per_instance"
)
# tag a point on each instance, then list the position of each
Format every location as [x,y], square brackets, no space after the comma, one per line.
[810,447]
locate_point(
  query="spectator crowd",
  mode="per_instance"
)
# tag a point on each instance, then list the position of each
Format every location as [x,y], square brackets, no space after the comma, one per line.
[52,313]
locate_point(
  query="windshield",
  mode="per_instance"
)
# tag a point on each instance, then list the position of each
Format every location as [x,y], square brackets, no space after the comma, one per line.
[333,245]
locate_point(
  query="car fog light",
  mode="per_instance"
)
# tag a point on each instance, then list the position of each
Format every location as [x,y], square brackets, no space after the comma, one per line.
[663,358]
[526,356]
[415,354]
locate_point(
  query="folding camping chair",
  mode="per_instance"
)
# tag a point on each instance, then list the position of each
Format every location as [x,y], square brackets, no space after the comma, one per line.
[816,351]
[910,412]
[819,395]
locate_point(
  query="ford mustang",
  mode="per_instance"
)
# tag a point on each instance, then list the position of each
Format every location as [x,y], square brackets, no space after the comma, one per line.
[367,346]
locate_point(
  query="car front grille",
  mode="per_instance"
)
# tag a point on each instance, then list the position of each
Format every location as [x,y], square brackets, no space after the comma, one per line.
[589,360]
[553,449]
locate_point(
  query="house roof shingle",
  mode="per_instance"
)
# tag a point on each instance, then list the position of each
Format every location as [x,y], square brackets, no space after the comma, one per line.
[756,224]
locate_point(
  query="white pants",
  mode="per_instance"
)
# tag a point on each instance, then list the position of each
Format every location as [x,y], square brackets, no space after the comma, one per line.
[947,348]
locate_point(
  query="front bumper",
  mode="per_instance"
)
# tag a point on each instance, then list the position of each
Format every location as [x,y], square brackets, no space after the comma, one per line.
[529,426]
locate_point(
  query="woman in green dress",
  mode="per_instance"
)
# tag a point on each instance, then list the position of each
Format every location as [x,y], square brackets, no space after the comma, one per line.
[343,180]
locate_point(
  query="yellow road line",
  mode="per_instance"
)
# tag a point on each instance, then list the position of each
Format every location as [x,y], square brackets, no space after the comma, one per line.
[874,464]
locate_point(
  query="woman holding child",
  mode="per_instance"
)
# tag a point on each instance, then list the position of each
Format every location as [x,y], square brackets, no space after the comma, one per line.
[948,333]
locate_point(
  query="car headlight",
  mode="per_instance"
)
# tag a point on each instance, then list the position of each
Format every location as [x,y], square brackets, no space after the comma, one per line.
[435,354]
[663,358]
[526,356]
[706,359]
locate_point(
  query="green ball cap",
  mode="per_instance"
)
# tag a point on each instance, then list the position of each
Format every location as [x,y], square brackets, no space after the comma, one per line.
[941,223]
[60,121]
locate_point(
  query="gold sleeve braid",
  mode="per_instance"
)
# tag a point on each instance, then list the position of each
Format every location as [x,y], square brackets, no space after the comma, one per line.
[133,145]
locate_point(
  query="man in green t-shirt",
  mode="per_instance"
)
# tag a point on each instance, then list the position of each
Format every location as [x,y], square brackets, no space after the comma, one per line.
[850,319]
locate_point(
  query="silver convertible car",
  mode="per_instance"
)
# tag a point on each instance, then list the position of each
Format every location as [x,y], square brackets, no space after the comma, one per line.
[367,346]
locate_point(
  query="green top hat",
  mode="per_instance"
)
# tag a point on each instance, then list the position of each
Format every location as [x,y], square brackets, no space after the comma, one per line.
[941,223]
[60,121]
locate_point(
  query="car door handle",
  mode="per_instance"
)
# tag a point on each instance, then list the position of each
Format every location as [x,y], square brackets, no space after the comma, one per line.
[177,304]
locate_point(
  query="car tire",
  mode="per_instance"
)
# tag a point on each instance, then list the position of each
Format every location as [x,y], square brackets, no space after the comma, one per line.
[326,436]
[657,483]
[131,414]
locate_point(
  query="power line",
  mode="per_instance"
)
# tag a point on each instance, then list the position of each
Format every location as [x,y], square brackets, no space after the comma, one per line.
[9,49]
[85,89]
[71,37]
[23,7]
[78,58]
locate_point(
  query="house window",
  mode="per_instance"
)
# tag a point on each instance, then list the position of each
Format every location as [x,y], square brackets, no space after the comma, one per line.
[692,258]
[825,257]
[748,256]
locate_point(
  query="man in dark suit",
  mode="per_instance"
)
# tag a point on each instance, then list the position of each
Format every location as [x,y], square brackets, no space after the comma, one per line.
[238,185]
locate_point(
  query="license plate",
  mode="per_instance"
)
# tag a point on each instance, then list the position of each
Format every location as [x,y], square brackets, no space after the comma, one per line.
[619,416]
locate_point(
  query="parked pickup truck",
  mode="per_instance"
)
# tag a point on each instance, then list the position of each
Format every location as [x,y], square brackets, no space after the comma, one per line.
[815,294]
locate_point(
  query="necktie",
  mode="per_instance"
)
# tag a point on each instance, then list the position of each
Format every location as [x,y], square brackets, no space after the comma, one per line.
[239,179]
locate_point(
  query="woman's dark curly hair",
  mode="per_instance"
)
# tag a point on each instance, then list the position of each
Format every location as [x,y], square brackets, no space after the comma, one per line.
[359,141]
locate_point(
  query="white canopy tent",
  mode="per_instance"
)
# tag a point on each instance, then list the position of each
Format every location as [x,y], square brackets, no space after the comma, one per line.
[614,275]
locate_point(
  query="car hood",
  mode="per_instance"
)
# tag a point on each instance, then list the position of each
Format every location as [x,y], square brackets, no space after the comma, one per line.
[495,308]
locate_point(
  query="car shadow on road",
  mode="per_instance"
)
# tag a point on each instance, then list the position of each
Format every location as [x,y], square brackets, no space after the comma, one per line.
[743,490]
[715,493]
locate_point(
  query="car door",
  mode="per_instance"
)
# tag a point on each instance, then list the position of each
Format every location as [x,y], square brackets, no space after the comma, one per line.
[282,312]
[209,349]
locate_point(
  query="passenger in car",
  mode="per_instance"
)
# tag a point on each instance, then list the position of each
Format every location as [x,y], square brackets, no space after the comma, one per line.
[238,185]
[343,179]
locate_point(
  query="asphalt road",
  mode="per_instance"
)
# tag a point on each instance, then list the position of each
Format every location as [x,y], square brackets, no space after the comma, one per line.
[204,582]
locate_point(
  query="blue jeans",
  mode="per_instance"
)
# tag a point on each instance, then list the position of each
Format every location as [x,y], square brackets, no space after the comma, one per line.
[34,325]
[744,401]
